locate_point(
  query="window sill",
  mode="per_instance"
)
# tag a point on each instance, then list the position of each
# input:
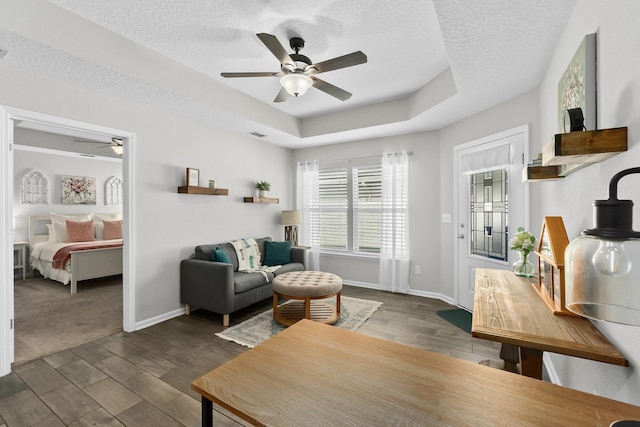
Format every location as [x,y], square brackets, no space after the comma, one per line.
[351,255]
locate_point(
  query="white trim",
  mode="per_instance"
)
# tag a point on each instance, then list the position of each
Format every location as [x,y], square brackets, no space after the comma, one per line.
[53,152]
[6,243]
[522,129]
[160,318]
[432,295]
[7,117]
[414,292]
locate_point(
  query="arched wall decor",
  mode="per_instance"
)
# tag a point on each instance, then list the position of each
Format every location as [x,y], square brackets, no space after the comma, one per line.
[113,191]
[34,188]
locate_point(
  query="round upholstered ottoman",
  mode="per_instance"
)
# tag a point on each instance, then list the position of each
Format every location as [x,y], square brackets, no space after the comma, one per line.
[303,287]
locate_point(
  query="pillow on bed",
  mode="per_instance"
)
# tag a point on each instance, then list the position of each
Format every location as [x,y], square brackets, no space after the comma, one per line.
[61,219]
[79,231]
[112,230]
[52,233]
[59,232]
[99,226]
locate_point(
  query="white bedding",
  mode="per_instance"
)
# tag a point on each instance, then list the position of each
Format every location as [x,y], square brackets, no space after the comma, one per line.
[42,254]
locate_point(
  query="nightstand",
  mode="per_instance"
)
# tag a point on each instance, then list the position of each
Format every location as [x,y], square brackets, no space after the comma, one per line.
[20,257]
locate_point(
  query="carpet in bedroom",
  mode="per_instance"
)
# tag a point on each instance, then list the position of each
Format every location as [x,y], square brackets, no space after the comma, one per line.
[49,319]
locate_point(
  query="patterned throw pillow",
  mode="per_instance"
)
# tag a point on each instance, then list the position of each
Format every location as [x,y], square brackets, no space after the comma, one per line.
[112,230]
[79,231]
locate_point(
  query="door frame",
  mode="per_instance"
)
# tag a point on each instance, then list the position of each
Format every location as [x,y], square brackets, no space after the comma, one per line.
[8,116]
[524,130]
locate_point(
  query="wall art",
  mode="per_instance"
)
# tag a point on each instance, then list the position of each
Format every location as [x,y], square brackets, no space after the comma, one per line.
[577,86]
[78,190]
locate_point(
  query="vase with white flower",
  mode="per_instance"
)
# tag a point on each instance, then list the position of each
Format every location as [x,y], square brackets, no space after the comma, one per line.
[522,243]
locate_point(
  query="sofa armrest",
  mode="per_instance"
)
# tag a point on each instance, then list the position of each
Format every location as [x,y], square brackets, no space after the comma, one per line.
[207,284]
[299,255]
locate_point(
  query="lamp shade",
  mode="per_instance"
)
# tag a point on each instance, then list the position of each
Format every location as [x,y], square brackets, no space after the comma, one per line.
[296,84]
[602,266]
[291,218]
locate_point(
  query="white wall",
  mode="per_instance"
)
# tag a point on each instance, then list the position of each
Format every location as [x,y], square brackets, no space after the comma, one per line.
[424,219]
[54,167]
[618,87]
[167,224]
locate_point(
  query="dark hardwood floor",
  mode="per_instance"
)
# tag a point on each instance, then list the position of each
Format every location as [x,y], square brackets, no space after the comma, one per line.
[143,378]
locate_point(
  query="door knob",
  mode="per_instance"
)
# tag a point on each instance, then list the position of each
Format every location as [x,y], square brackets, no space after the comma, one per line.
[460,236]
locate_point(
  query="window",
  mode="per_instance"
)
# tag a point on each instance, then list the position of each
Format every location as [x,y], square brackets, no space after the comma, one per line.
[350,209]
[334,209]
[367,209]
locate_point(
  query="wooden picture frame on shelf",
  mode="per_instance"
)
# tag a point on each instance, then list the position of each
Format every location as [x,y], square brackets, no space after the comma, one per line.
[193,177]
[551,247]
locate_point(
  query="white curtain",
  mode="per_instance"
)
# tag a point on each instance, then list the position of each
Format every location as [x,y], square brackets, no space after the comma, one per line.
[486,160]
[308,204]
[394,245]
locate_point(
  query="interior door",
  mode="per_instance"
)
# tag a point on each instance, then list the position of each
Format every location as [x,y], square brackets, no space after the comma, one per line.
[491,204]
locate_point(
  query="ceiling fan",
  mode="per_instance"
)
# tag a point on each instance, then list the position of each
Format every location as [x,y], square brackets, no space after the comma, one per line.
[297,73]
[115,144]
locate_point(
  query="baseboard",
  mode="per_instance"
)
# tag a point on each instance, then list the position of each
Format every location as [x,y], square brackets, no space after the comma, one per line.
[414,292]
[159,319]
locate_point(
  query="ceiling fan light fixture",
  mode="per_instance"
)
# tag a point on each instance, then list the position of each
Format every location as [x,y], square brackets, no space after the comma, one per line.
[296,84]
[117,149]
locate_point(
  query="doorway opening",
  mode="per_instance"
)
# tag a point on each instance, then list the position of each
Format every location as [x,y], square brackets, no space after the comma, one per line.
[489,199]
[9,118]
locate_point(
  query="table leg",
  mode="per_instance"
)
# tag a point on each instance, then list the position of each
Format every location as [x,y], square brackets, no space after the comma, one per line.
[511,356]
[207,412]
[531,362]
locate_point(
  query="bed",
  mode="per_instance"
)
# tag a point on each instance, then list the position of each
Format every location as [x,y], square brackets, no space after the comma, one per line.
[82,260]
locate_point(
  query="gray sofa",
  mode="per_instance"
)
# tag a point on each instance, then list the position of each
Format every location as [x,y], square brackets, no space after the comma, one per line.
[220,288]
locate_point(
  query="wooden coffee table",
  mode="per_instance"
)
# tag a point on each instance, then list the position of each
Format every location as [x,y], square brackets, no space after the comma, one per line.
[313,374]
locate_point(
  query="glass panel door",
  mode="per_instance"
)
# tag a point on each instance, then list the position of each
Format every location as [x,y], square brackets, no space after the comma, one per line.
[489,208]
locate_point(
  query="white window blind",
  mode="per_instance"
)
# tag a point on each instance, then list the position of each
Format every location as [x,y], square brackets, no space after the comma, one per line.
[367,209]
[333,200]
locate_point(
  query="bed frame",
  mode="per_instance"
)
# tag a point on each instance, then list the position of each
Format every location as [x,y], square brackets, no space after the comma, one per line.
[86,264]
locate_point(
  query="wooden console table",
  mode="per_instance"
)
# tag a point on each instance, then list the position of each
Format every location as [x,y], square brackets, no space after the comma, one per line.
[313,374]
[509,310]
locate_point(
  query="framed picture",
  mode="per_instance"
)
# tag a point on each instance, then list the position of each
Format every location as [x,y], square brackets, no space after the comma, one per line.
[78,190]
[193,177]
[577,86]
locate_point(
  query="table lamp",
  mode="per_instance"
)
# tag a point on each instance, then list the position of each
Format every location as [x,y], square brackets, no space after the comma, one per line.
[602,266]
[291,220]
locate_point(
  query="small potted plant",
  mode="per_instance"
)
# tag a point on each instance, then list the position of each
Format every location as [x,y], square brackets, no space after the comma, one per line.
[263,188]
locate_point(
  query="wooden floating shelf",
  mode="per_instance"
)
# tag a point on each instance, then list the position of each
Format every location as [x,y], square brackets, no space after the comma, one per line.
[261,200]
[540,173]
[586,147]
[203,190]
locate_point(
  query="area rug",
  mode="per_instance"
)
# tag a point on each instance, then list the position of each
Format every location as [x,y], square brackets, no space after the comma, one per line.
[457,317]
[353,313]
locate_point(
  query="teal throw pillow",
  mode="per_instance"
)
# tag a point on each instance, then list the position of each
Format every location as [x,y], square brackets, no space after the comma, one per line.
[277,253]
[219,255]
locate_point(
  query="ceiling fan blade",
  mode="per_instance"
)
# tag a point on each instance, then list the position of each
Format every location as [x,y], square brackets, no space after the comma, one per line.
[272,43]
[330,89]
[282,96]
[250,74]
[348,60]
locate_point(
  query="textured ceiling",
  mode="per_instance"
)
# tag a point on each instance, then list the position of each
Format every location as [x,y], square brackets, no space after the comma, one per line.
[430,63]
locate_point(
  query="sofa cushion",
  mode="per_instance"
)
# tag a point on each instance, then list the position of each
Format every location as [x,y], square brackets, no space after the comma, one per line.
[294,266]
[277,253]
[205,252]
[220,255]
[243,282]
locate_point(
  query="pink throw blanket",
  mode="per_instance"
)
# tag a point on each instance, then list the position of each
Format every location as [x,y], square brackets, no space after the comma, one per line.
[63,256]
